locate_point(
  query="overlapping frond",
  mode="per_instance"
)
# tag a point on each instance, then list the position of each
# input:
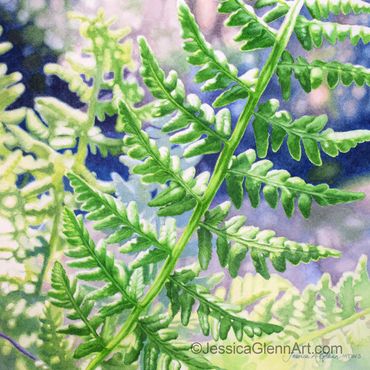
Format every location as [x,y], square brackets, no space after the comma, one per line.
[157,165]
[235,240]
[326,311]
[64,125]
[311,75]
[136,234]
[216,72]
[159,346]
[23,204]
[306,129]
[93,79]
[215,316]
[191,121]
[95,263]
[52,342]
[10,89]
[69,296]
[279,184]
[323,313]
[322,9]
[255,32]
[312,33]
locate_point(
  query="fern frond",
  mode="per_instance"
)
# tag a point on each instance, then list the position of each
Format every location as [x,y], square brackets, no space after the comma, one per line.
[212,311]
[158,166]
[106,59]
[234,240]
[280,8]
[159,347]
[10,90]
[312,33]
[109,213]
[54,350]
[246,171]
[322,9]
[72,78]
[99,265]
[105,145]
[255,32]
[312,75]
[192,120]
[337,308]
[216,72]
[307,129]
[68,295]
[4,46]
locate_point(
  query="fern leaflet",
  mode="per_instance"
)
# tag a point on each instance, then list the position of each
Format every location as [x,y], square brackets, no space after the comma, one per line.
[234,240]
[307,129]
[192,119]
[311,75]
[68,295]
[109,213]
[100,264]
[216,72]
[183,293]
[245,171]
[158,166]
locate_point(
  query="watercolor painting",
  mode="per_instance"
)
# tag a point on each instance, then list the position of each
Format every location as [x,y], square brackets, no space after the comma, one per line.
[184,184]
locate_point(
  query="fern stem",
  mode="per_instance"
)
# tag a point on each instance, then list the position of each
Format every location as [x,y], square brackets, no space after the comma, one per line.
[341,324]
[54,235]
[218,177]
[82,145]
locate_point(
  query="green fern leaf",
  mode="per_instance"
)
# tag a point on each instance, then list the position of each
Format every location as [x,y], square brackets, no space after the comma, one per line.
[4,46]
[54,350]
[10,90]
[322,9]
[109,213]
[67,295]
[99,265]
[312,75]
[255,32]
[158,166]
[192,119]
[73,79]
[334,307]
[183,293]
[159,346]
[307,129]
[234,240]
[311,33]
[279,9]
[216,72]
[245,171]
